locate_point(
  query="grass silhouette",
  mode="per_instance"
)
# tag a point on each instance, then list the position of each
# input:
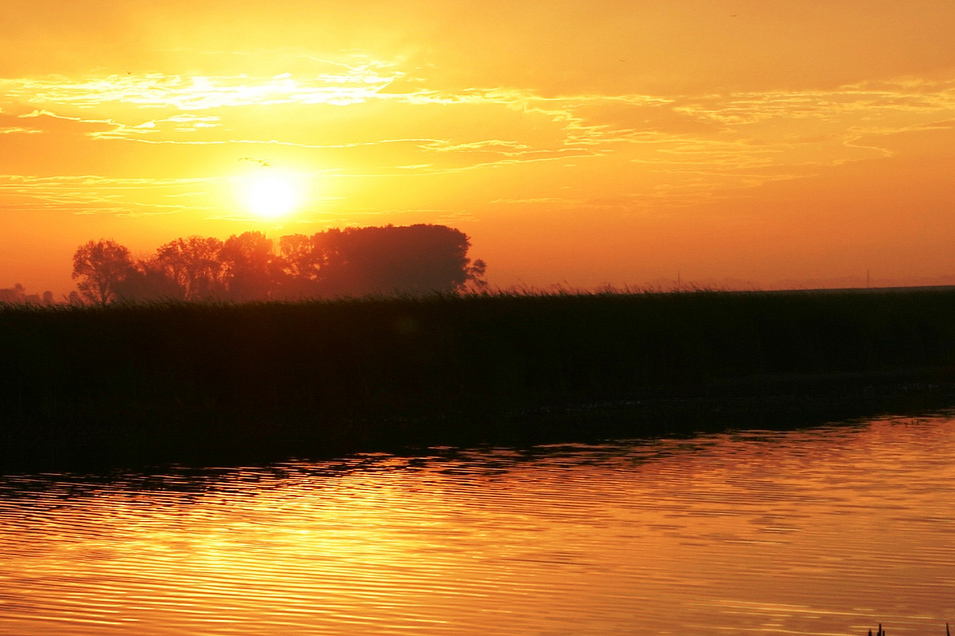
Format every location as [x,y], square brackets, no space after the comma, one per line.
[208,382]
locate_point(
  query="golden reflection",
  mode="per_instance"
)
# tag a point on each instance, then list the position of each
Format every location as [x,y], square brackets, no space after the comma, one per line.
[761,532]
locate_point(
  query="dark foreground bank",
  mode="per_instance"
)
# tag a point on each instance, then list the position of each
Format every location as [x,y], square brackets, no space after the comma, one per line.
[200,383]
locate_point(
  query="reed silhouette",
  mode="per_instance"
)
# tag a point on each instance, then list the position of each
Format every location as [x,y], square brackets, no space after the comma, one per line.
[218,381]
[882,632]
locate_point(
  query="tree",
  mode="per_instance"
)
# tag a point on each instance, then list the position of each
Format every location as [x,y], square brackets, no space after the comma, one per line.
[304,262]
[251,268]
[147,281]
[11,295]
[195,265]
[101,265]
[475,274]
[301,258]
[416,259]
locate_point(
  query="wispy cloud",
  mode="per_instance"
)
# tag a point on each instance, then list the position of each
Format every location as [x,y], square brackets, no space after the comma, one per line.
[376,119]
[189,93]
[92,194]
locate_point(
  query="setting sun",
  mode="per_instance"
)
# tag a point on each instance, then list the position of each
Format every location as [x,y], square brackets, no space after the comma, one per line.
[268,194]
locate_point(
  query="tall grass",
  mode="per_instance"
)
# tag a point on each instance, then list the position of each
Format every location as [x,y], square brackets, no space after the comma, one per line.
[174,379]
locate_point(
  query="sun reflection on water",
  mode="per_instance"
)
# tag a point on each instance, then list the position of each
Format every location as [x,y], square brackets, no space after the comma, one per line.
[820,531]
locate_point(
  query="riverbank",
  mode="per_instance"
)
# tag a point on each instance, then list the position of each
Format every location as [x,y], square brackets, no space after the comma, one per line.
[215,383]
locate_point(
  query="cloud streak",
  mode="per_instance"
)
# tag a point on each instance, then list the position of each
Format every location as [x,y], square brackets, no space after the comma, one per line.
[356,119]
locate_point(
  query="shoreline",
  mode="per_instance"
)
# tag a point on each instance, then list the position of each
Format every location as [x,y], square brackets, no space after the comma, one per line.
[137,440]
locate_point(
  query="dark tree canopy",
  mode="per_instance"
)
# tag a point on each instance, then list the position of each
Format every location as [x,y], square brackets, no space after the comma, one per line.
[102,266]
[250,266]
[417,259]
[195,265]
[146,280]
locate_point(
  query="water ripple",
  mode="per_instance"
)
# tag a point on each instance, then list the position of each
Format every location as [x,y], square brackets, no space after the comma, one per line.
[823,531]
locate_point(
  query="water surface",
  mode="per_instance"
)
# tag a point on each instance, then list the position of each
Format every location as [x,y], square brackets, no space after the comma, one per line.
[821,531]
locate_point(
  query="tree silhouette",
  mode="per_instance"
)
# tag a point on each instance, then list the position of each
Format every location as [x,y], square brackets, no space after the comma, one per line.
[303,262]
[475,274]
[357,261]
[148,281]
[13,295]
[101,265]
[195,264]
[416,259]
[250,266]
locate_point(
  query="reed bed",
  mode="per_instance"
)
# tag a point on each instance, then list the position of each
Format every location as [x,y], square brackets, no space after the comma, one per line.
[213,382]
[882,632]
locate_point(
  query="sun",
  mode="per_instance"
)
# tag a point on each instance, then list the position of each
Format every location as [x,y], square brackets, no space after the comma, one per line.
[269,194]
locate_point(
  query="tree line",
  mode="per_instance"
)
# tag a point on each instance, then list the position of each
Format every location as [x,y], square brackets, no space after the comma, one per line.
[358,261]
[17,295]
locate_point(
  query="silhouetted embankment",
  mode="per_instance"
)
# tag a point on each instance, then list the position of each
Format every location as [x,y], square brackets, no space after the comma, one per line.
[209,383]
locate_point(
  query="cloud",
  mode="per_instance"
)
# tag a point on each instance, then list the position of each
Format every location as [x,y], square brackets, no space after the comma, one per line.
[91,194]
[197,92]
[39,121]
[366,118]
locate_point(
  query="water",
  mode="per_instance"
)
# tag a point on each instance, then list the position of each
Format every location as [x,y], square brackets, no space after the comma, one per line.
[824,531]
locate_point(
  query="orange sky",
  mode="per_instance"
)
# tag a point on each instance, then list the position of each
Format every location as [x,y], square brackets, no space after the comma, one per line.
[727,142]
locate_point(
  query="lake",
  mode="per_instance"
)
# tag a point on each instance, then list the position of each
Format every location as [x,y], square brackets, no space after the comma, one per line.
[820,531]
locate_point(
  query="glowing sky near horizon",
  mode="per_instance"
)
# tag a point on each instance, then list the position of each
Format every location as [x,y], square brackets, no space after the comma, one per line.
[737,142]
